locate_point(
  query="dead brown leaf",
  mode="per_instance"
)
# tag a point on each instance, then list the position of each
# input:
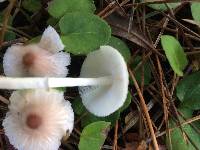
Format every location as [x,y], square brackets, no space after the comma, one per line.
[120,27]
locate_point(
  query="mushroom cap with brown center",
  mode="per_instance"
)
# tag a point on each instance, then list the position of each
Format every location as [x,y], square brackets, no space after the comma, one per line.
[38,119]
[28,59]
[34,61]
[43,59]
[33,121]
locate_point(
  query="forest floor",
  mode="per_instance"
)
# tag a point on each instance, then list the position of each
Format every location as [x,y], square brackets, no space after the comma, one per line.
[147,121]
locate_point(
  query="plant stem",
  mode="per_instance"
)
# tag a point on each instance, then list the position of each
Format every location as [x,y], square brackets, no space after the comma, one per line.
[35,82]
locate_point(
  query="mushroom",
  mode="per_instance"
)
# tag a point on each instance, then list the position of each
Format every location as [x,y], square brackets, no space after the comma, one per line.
[108,63]
[41,59]
[38,119]
[103,81]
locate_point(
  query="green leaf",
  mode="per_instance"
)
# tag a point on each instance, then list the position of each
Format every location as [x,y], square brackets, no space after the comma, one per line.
[163,7]
[188,91]
[52,21]
[177,139]
[175,54]
[90,118]
[121,47]
[10,35]
[34,40]
[32,5]
[195,9]
[83,33]
[138,72]
[93,136]
[61,89]
[57,8]
[127,103]
[78,106]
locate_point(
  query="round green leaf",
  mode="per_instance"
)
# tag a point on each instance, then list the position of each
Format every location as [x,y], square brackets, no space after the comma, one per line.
[90,118]
[83,33]
[121,47]
[32,5]
[52,21]
[57,8]
[188,91]
[175,54]
[93,136]
[195,9]
[163,7]
[177,140]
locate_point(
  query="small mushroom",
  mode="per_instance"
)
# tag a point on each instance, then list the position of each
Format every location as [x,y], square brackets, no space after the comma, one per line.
[108,63]
[38,119]
[41,59]
[103,80]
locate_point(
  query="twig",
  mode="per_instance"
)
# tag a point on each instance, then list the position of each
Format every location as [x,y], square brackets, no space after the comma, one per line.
[114,8]
[110,5]
[165,101]
[146,113]
[4,100]
[180,25]
[15,41]
[81,117]
[115,136]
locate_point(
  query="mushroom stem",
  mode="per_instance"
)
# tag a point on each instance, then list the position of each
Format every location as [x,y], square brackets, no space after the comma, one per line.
[35,82]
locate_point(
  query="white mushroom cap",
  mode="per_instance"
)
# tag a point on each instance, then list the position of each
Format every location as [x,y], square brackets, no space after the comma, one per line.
[42,59]
[51,41]
[104,100]
[38,119]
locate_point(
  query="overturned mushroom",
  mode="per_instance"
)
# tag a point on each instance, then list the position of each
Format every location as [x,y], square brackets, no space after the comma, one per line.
[108,63]
[38,119]
[41,59]
[104,81]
